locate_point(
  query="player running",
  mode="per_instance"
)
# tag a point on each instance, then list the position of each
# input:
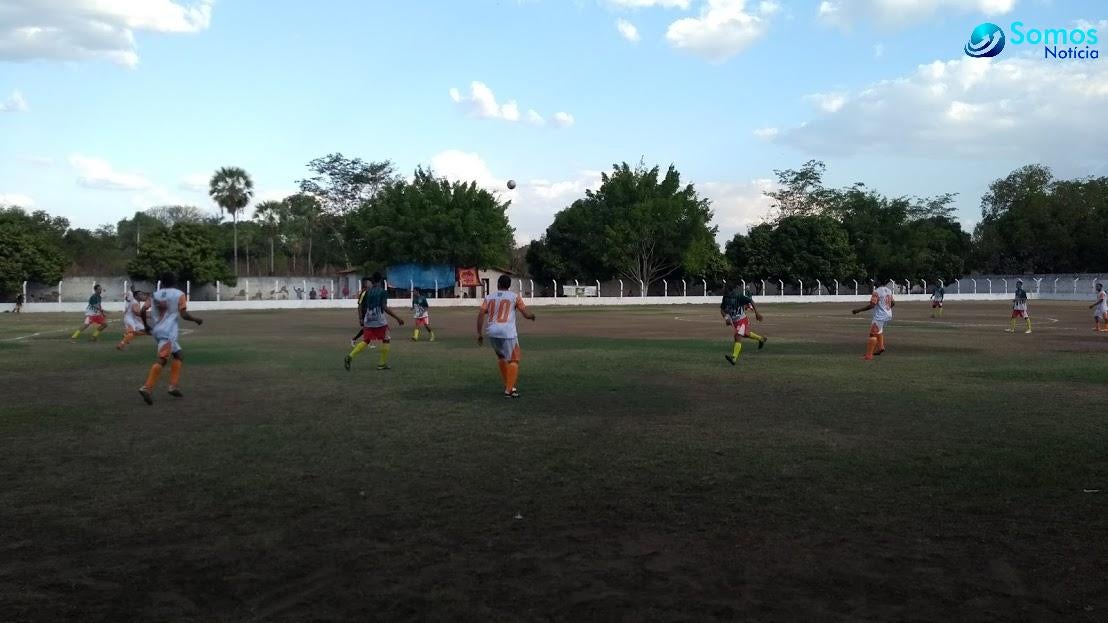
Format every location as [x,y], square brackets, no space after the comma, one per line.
[94,315]
[882,303]
[135,303]
[1019,308]
[420,305]
[375,324]
[497,318]
[169,305]
[733,309]
[937,295]
[1100,316]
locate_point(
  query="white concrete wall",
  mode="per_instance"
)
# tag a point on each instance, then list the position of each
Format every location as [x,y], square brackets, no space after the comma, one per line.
[404,303]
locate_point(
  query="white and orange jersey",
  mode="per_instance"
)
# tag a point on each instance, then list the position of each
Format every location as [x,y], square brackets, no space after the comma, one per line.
[500,313]
[132,314]
[167,307]
[882,301]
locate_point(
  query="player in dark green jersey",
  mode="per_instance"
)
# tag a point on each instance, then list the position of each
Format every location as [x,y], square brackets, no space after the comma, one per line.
[94,315]
[375,324]
[420,306]
[733,309]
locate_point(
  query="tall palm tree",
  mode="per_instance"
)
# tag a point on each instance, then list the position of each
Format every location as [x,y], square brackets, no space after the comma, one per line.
[306,211]
[272,215]
[232,189]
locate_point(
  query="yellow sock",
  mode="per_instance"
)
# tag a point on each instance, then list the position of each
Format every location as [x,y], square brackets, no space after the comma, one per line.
[359,347]
[1013,327]
[76,334]
[755,336]
[432,333]
[95,333]
[1028,324]
[738,348]
[940,312]
[384,354]
[416,336]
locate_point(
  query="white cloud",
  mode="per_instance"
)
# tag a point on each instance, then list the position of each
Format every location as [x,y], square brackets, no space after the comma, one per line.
[563,119]
[98,173]
[465,167]
[828,102]
[878,50]
[768,8]
[973,108]
[197,182]
[723,29]
[642,4]
[903,12]
[737,205]
[16,199]
[481,102]
[1085,24]
[14,103]
[83,29]
[627,30]
[766,134]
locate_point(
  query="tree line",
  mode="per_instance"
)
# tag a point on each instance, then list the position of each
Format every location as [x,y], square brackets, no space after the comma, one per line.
[641,224]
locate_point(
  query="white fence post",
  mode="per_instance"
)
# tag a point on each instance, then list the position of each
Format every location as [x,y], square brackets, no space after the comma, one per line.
[245,288]
[188,288]
[819,287]
[23,289]
[59,292]
[1005,282]
[801,286]
[1075,280]
[555,288]
[990,282]
[684,289]
[331,294]
[436,287]
[907,286]
[218,292]
[1056,285]
[836,287]
[705,282]
[620,288]
[411,286]
[974,285]
[763,287]
[276,287]
[304,288]
[597,288]
[855,287]
[1038,285]
[642,288]
[781,285]
[958,285]
[532,282]
[665,288]
[744,284]
[924,283]
[158,286]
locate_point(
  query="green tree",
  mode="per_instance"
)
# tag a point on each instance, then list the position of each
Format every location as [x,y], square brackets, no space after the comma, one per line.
[231,188]
[186,250]
[30,248]
[305,214]
[639,225]
[272,216]
[342,185]
[432,220]
[130,232]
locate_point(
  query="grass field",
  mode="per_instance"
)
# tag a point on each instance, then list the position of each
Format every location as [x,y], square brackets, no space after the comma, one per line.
[639,477]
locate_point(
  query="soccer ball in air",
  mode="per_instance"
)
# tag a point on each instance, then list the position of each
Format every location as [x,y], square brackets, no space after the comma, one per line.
[511,184]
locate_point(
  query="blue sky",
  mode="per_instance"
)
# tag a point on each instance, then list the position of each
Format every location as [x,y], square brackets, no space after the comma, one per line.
[133,103]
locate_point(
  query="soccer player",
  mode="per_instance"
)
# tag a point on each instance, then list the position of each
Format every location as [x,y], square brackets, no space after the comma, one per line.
[733,309]
[882,303]
[18,304]
[135,304]
[497,318]
[375,325]
[94,315]
[1100,316]
[1019,308]
[361,311]
[169,305]
[420,306]
[937,301]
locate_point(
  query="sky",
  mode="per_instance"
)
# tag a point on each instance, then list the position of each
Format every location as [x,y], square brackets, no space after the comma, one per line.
[113,106]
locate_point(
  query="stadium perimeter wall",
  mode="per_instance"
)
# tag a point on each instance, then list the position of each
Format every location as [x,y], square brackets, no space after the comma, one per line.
[604,301]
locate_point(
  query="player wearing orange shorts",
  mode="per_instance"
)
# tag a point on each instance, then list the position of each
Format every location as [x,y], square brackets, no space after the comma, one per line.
[882,303]
[168,307]
[497,319]
[134,304]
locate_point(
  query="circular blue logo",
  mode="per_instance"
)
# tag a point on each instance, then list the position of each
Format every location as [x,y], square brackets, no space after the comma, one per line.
[986,41]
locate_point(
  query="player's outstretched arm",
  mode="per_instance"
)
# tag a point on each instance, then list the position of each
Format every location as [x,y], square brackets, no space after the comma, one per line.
[187,316]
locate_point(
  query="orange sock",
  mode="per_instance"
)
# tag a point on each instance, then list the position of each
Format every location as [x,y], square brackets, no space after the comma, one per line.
[152,378]
[503,369]
[175,373]
[871,345]
[513,376]
[881,342]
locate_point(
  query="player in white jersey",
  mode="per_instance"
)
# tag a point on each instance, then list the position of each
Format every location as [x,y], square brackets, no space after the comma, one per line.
[1019,308]
[497,319]
[169,305]
[1100,314]
[882,303]
[134,302]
